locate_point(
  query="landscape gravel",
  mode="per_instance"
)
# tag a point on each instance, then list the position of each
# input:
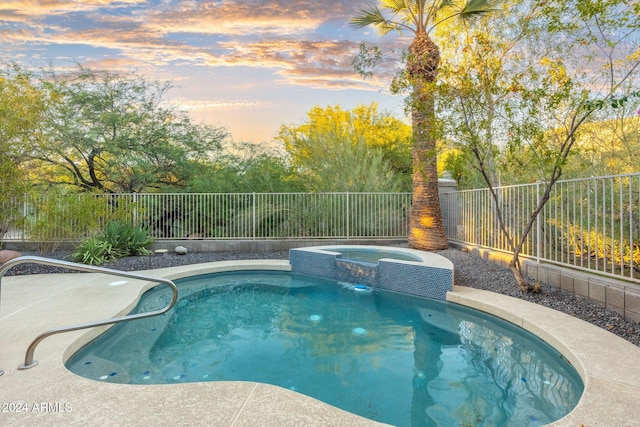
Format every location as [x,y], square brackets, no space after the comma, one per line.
[469,270]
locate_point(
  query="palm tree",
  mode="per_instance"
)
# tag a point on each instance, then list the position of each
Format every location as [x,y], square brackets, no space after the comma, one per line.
[420,17]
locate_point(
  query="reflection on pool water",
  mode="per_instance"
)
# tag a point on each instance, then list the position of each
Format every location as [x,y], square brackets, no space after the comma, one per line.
[386,356]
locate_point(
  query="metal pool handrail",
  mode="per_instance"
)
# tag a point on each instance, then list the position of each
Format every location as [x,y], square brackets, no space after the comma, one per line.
[28,360]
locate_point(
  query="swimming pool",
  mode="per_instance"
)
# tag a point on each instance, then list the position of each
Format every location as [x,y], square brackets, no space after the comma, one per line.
[359,349]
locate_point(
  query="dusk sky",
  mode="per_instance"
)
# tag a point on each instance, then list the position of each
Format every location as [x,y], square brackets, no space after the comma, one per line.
[248,65]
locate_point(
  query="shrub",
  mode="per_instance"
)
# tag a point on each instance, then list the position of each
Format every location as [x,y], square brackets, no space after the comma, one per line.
[92,252]
[117,240]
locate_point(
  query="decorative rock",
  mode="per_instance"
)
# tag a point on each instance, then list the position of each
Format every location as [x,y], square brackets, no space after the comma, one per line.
[7,255]
[181,250]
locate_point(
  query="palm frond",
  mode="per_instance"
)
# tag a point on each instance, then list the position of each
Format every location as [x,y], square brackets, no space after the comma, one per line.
[469,10]
[478,7]
[396,6]
[366,17]
[442,4]
[374,17]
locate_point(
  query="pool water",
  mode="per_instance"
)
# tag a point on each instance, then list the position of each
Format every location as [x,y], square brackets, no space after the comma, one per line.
[401,360]
[373,255]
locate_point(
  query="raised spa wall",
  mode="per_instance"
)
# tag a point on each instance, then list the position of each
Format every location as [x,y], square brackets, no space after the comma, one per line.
[432,277]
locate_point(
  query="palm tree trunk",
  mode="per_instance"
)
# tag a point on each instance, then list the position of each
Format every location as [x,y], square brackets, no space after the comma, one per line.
[426,225]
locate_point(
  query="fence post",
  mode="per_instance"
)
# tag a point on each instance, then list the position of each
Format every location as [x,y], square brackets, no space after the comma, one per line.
[135,209]
[253,232]
[348,216]
[447,191]
[538,225]
[25,212]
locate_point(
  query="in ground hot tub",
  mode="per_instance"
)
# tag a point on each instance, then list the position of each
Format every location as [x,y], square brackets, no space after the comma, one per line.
[414,272]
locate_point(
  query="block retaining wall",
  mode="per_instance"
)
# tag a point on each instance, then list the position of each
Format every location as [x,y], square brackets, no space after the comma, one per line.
[617,295]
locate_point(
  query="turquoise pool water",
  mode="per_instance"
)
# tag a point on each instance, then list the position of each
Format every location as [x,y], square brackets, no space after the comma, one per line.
[373,255]
[401,360]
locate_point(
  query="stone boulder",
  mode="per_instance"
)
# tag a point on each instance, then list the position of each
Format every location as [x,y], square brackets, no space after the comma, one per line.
[181,250]
[7,255]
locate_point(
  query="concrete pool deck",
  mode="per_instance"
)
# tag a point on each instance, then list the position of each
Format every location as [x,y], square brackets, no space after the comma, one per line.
[48,394]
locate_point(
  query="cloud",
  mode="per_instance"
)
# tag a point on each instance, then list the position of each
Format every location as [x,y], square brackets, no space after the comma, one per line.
[252,17]
[320,64]
[122,65]
[286,37]
[246,19]
[195,105]
[44,8]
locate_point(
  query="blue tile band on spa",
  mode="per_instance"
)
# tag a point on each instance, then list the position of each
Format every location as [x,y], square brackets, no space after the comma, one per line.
[419,273]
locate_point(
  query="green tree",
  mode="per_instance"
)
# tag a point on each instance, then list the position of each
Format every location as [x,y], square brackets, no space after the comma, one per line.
[592,51]
[456,161]
[341,165]
[22,106]
[534,88]
[112,133]
[421,17]
[607,147]
[245,168]
[265,172]
[349,150]
[476,87]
